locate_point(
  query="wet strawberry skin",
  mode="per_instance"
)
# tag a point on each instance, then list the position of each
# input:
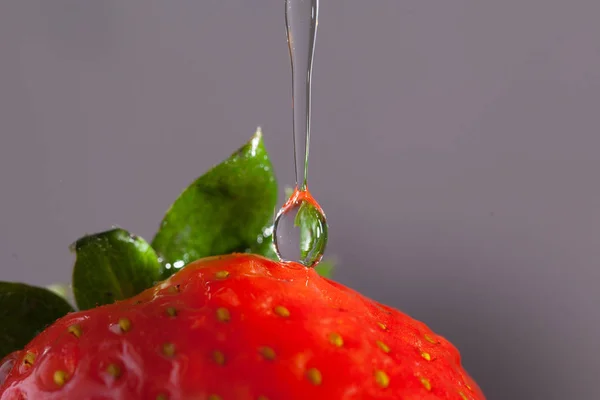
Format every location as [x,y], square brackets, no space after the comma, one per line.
[239,327]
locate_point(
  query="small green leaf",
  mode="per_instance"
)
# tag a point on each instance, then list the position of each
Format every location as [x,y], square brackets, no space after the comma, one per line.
[224,211]
[325,268]
[112,265]
[25,311]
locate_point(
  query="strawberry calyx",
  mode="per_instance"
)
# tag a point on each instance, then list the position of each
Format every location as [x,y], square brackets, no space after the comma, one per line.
[228,209]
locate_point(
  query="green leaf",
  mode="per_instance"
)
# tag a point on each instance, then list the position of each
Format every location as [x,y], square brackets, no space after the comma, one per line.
[112,265]
[325,268]
[25,311]
[224,211]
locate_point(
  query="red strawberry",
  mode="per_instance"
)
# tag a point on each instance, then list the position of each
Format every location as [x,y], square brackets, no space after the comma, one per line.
[239,327]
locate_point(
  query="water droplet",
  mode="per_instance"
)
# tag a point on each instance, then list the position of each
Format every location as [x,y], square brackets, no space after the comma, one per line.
[301,19]
[6,366]
[300,230]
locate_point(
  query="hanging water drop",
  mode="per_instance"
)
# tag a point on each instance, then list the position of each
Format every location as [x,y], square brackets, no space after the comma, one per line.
[300,230]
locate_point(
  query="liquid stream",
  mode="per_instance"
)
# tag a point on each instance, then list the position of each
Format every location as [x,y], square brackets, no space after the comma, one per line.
[300,230]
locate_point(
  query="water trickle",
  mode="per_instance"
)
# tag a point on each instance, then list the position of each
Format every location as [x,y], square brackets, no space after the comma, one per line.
[300,230]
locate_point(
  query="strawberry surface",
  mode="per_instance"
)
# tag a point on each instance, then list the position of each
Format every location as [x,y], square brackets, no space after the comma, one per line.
[238,327]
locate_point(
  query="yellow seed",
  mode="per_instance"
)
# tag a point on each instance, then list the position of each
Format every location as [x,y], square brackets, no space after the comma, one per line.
[168,349]
[429,338]
[29,359]
[282,311]
[171,311]
[382,379]
[60,378]
[124,324]
[267,353]
[223,314]
[161,397]
[382,326]
[114,370]
[426,383]
[75,330]
[384,347]
[173,289]
[336,340]
[463,396]
[221,274]
[214,397]
[314,376]
[468,386]
[218,357]
[426,356]
[262,398]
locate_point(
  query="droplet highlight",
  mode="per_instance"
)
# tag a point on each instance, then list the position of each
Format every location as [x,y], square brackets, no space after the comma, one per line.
[6,366]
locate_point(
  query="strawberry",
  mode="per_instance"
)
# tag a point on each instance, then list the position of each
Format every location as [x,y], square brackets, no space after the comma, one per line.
[238,327]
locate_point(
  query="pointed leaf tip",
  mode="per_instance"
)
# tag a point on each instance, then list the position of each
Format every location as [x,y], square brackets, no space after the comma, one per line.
[221,212]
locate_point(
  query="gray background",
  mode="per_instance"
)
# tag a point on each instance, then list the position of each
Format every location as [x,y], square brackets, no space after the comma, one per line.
[455,150]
